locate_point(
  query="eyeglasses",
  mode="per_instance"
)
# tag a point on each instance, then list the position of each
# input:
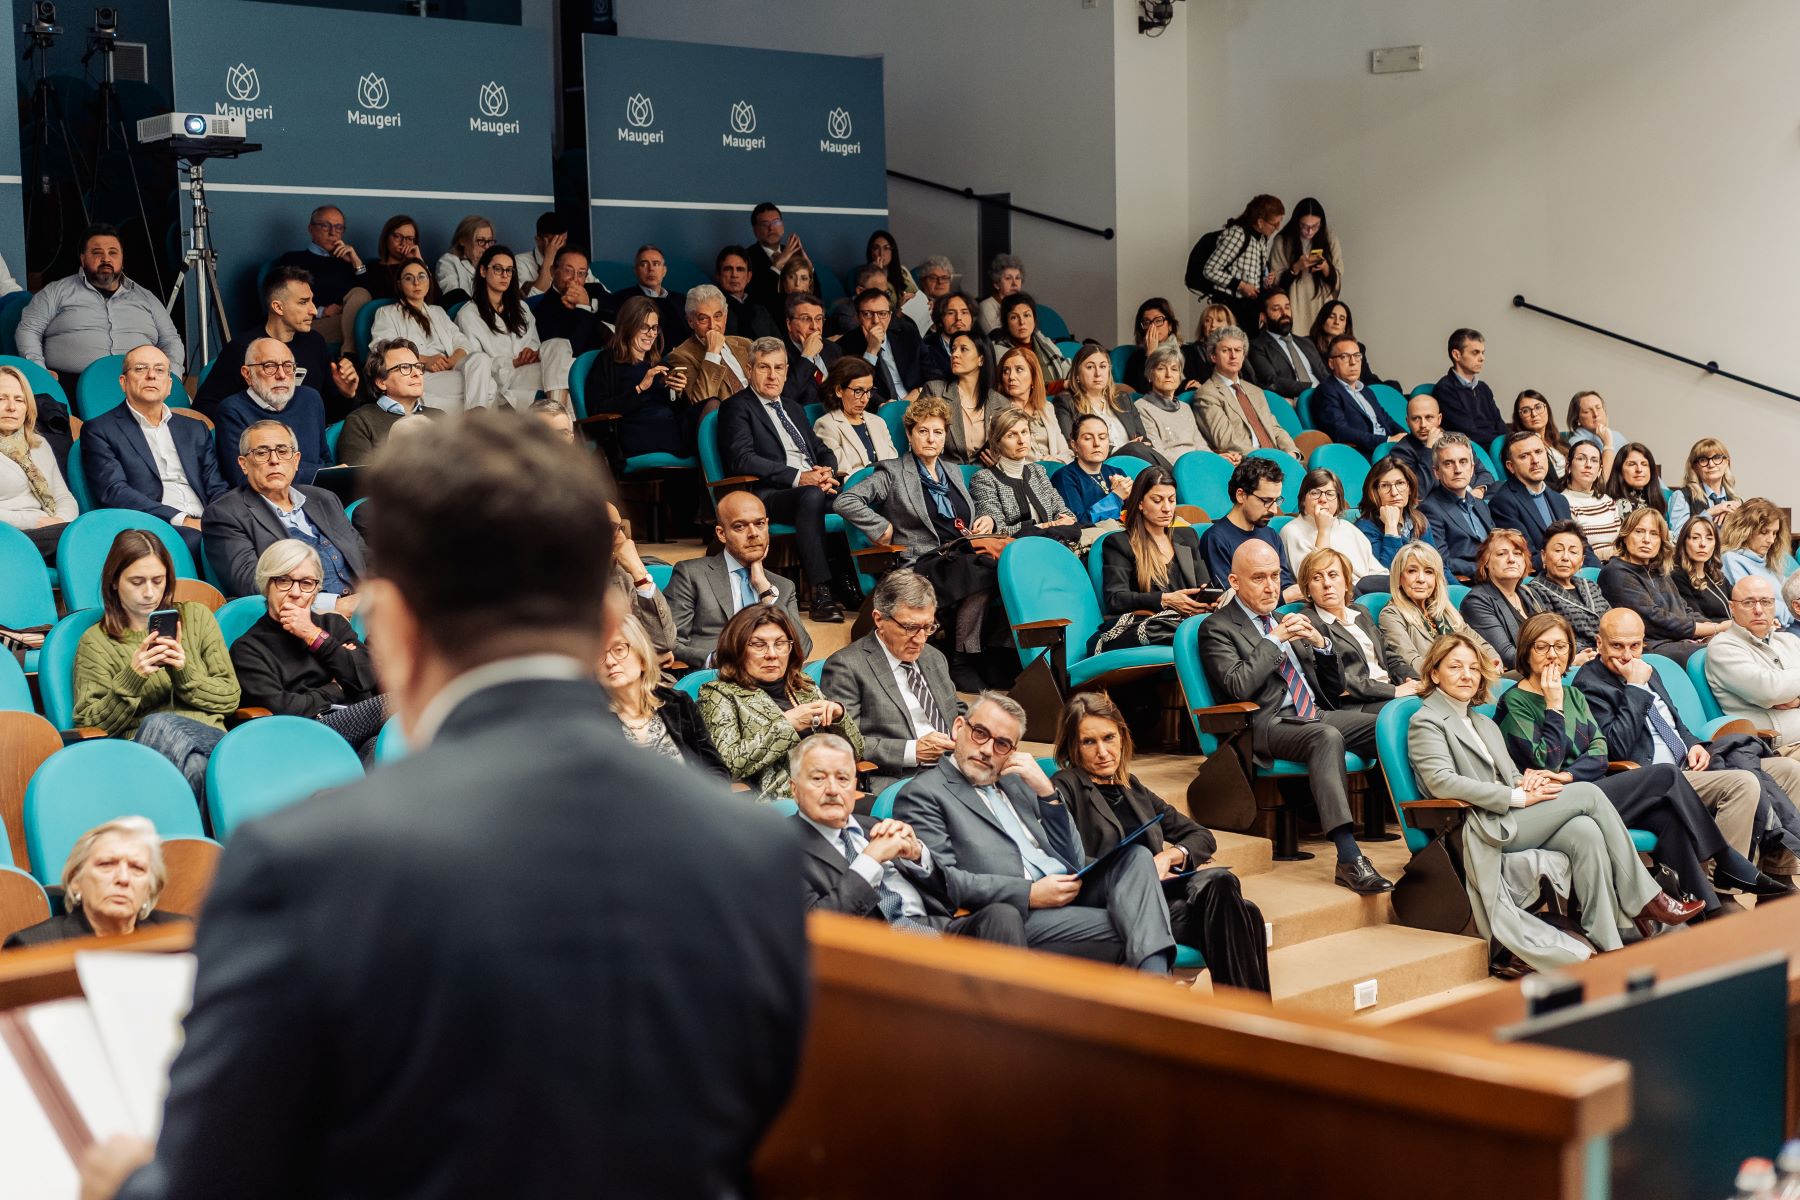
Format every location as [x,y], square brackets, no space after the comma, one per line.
[875,314]
[143,371]
[411,368]
[981,735]
[778,646]
[860,393]
[305,585]
[330,226]
[617,652]
[1150,322]
[911,629]
[1551,647]
[1347,356]
[1756,604]
[768,223]
[1712,460]
[274,368]
[497,269]
[263,454]
[648,328]
[1392,486]
[1267,501]
[483,242]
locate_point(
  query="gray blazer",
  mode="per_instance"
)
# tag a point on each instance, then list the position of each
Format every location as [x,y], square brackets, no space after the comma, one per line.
[238,526]
[980,861]
[1406,637]
[892,494]
[1359,686]
[859,678]
[699,596]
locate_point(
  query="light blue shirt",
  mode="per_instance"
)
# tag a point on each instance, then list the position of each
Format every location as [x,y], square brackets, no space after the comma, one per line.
[294,521]
[71,323]
[1038,861]
[875,874]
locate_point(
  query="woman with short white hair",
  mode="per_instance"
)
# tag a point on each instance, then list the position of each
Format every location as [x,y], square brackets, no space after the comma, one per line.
[110,884]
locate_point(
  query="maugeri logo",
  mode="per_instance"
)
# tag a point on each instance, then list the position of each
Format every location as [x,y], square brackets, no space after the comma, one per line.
[743,117]
[241,83]
[493,100]
[638,112]
[372,92]
[837,123]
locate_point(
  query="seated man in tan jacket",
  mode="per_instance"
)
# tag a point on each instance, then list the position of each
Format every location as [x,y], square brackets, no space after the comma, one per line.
[1234,415]
[717,365]
[1753,666]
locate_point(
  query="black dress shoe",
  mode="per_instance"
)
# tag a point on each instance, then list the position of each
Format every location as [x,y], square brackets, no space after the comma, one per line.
[825,606]
[965,673]
[1361,877]
[1762,885]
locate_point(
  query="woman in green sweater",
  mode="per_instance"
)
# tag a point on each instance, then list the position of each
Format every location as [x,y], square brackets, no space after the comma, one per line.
[168,694]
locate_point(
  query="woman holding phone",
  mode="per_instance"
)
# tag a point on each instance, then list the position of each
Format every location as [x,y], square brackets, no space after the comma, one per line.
[632,380]
[152,669]
[1151,567]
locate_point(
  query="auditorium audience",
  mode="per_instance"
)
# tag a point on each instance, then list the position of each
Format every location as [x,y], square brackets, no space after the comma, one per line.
[1207,909]
[1016,492]
[951,314]
[1238,269]
[717,365]
[1320,523]
[1698,575]
[1753,665]
[1020,383]
[811,355]
[1466,401]
[746,315]
[1094,489]
[1003,834]
[456,266]
[799,277]
[883,252]
[1418,449]
[968,393]
[271,393]
[1171,425]
[1344,407]
[1590,507]
[764,702]
[1156,323]
[537,265]
[937,278]
[1460,754]
[1459,515]
[895,686]
[1498,603]
[1419,611]
[569,311]
[1390,516]
[1236,419]
[1638,577]
[1636,481]
[1283,363]
[1092,392]
[1531,414]
[764,435]
[1754,540]
[1370,676]
[705,593]
[1006,275]
[1587,422]
[300,663]
[34,498]
[1287,668]
[854,438]
[499,325]
[110,884]
[397,382]
[397,242]
[1525,500]
[168,694]
[652,714]
[1334,321]
[1153,574]
[631,378]
[1707,486]
[770,253]
[334,265]
[1019,329]
[1307,261]
[649,268]
[269,507]
[1255,489]
[842,321]
[146,456]
[94,312]
[890,346]
[288,317]
[457,377]
[1561,588]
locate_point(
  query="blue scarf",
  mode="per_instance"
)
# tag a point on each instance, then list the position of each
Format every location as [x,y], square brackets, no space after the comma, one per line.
[937,490]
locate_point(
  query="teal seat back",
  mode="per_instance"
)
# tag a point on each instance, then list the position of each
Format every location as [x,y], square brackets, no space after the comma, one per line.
[1131,464]
[1696,673]
[1284,414]
[1203,478]
[265,765]
[883,806]
[1095,562]
[76,477]
[1497,451]
[56,667]
[1196,688]
[42,382]
[1373,603]
[1482,457]
[390,743]
[815,670]
[1051,324]
[1040,578]
[578,377]
[693,681]
[712,464]
[15,691]
[98,390]
[1391,401]
[660,574]
[26,598]
[1396,762]
[1347,464]
[1381,452]
[333,432]
[855,537]
[365,323]
[1069,347]
[1591,574]
[235,617]
[893,414]
[813,413]
[1682,691]
[1120,356]
[88,539]
[783,807]
[1457,591]
[1292,472]
[1303,408]
[1422,389]
[11,309]
[685,274]
[96,781]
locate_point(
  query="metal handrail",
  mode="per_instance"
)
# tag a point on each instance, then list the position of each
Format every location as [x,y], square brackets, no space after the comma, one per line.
[971,194]
[1710,367]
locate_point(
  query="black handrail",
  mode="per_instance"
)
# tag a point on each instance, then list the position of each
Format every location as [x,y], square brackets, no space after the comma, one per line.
[1711,368]
[971,194]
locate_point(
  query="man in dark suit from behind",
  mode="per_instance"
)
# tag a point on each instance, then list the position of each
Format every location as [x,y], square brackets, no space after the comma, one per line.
[863,867]
[477,972]
[895,684]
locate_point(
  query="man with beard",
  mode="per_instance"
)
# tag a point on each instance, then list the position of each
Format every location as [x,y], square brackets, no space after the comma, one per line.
[290,310]
[1255,501]
[270,393]
[1284,364]
[93,313]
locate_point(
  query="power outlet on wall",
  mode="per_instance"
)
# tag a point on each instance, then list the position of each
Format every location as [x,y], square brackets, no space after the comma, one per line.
[1396,59]
[1366,994]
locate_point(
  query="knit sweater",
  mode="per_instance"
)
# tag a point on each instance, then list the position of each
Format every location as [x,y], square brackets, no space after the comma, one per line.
[111,696]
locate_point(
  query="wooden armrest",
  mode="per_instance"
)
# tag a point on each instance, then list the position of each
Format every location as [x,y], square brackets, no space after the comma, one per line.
[731,481]
[877,550]
[866,768]
[1223,718]
[1033,634]
[1427,805]
[86,731]
[250,713]
[600,419]
[1620,764]
[738,785]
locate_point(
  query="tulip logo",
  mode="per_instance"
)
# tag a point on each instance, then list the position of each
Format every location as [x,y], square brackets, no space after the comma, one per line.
[241,83]
[372,92]
[743,117]
[638,112]
[837,123]
[493,100]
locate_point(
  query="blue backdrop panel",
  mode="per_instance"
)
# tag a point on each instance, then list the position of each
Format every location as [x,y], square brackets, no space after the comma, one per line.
[684,139]
[12,195]
[378,114]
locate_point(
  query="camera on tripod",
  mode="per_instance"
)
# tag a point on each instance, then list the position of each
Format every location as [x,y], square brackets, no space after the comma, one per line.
[42,28]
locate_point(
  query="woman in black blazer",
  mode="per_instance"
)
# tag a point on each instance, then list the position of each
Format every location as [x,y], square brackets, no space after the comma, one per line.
[1373,673]
[1497,605]
[1151,566]
[110,881]
[655,717]
[1638,578]
[1207,909]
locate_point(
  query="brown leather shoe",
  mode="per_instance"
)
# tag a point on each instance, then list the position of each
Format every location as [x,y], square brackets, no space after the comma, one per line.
[1666,910]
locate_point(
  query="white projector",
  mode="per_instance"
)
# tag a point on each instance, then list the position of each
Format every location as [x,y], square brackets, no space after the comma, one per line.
[191,127]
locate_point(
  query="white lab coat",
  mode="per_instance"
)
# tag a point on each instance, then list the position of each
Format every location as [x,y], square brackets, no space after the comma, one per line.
[518,386]
[470,385]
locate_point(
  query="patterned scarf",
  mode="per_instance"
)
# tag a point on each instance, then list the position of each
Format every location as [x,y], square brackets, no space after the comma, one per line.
[937,490]
[14,446]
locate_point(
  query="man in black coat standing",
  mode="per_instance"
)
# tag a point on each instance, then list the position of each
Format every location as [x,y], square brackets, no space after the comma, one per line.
[485,970]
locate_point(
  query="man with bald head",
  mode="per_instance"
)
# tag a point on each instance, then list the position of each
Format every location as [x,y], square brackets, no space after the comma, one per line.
[704,593]
[1753,664]
[289,316]
[1285,666]
[271,393]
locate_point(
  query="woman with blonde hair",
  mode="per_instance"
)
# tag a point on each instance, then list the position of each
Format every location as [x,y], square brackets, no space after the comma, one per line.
[1020,383]
[1419,611]
[110,881]
[1708,488]
[1754,540]
[1016,491]
[1372,676]
[653,714]
[34,498]
[456,266]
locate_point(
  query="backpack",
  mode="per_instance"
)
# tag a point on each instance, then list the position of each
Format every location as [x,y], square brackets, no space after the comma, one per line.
[1195,278]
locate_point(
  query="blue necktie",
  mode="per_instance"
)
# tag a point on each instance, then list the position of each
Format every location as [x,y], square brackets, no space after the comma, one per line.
[892,906]
[1666,732]
[787,423]
[746,593]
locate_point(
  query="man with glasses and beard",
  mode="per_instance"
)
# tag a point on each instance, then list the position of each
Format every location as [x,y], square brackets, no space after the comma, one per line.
[1255,501]
[1284,364]
[270,392]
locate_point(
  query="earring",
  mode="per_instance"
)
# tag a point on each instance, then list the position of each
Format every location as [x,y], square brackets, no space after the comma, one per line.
[74,899]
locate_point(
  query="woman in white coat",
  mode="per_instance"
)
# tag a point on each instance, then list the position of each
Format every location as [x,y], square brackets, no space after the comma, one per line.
[857,439]
[33,496]
[457,375]
[456,266]
[499,324]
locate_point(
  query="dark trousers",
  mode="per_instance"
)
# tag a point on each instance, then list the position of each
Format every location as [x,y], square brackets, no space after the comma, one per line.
[998,923]
[1208,912]
[1660,799]
[191,536]
[804,508]
[1320,745]
[1118,917]
[45,538]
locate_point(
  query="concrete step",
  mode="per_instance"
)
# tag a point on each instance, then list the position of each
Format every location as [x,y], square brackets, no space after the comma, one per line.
[1322,975]
[1243,853]
[1301,908]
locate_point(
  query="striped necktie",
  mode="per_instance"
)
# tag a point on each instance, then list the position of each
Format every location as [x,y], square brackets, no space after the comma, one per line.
[1299,694]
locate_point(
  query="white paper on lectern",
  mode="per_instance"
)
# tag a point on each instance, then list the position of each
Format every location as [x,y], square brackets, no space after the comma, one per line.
[36,1164]
[138,1002]
[71,1041]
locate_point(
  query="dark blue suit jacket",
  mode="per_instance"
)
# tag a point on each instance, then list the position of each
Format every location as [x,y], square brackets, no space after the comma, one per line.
[1512,507]
[304,414]
[122,474]
[749,445]
[1623,713]
[1338,414]
[1460,544]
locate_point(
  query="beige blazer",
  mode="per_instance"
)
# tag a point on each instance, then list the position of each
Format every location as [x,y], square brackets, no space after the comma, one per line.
[1408,637]
[1223,422]
[835,430]
[708,381]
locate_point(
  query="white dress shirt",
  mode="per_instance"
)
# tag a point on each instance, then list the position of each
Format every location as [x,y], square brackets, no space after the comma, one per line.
[797,458]
[874,873]
[1370,654]
[725,358]
[177,493]
[920,722]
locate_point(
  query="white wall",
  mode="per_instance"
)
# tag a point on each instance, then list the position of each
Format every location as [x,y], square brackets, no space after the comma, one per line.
[1631,162]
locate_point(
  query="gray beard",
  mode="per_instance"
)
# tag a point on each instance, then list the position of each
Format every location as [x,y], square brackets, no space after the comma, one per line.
[270,402]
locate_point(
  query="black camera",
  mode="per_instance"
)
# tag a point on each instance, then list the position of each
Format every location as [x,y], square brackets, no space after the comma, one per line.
[43,20]
[106,21]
